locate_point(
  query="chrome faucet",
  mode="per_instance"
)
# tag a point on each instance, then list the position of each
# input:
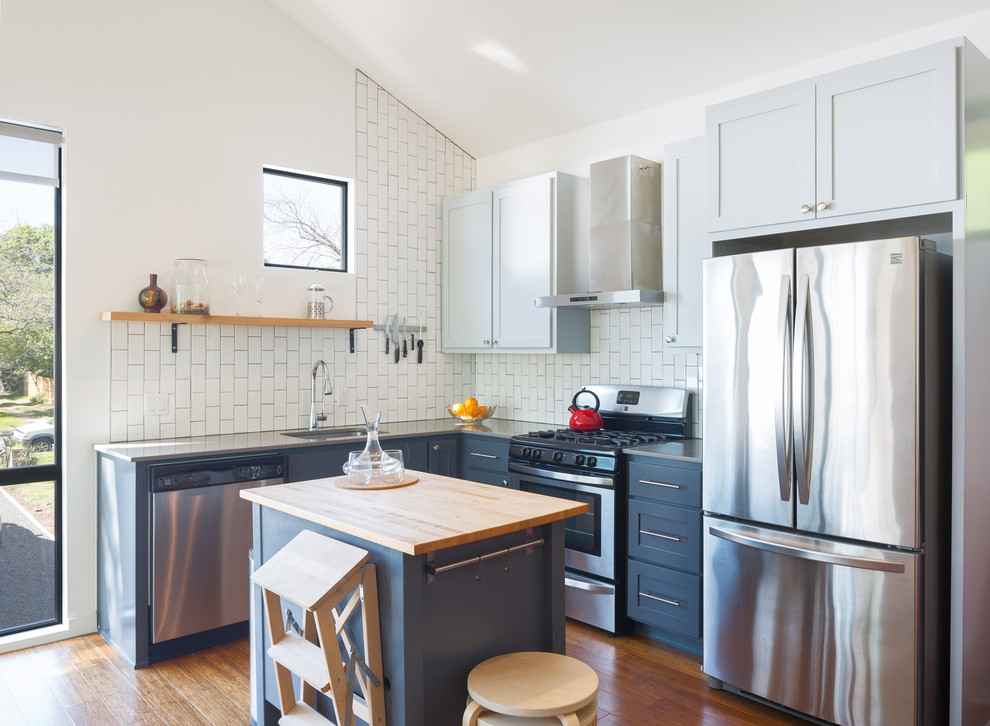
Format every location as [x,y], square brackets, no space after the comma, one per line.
[314,417]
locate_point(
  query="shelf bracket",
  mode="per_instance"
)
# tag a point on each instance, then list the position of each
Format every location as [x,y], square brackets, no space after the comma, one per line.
[352,339]
[175,337]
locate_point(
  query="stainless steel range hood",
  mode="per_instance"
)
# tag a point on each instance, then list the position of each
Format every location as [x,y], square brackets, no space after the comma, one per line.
[625,237]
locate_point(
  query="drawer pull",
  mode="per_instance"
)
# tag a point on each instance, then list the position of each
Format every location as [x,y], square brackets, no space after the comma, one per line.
[662,536]
[659,484]
[483,456]
[664,600]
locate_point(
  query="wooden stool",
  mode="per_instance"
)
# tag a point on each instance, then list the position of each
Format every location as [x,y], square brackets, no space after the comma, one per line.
[318,573]
[532,689]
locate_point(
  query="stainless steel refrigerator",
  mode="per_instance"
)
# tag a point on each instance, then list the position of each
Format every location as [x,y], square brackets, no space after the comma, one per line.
[825,425]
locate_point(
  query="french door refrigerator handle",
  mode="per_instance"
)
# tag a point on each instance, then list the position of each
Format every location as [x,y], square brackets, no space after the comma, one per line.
[781,413]
[828,558]
[799,379]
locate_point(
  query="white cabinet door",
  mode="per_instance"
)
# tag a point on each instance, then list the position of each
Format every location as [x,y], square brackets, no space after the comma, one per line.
[878,136]
[523,263]
[887,133]
[761,158]
[685,243]
[467,270]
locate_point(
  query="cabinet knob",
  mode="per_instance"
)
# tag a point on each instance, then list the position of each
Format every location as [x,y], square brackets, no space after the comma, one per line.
[436,448]
[822,206]
[494,342]
[486,341]
[505,482]
[805,208]
[669,338]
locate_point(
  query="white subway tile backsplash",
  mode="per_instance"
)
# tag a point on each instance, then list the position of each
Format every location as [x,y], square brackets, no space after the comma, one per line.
[227,379]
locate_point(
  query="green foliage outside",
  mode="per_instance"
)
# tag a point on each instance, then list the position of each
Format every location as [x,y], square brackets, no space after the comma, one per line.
[27,305]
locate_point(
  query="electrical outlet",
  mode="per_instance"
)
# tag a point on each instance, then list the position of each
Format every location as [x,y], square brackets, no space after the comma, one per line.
[156,404]
[340,396]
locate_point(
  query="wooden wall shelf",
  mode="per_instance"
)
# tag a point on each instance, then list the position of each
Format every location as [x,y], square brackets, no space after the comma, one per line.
[177,320]
[233,320]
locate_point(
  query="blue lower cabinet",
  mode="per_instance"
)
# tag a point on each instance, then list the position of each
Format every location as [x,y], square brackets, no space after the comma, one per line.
[664,565]
[665,598]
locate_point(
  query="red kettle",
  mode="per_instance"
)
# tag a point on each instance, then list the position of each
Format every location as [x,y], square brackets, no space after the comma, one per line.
[585,418]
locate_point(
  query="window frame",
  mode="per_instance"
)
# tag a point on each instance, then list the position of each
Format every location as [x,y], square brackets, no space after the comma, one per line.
[345,237]
[50,472]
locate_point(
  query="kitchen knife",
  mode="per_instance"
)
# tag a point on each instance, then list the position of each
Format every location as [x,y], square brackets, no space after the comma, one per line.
[419,343]
[395,336]
[386,334]
[404,350]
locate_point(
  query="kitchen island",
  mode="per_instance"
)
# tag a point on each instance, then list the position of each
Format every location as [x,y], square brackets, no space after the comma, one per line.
[436,622]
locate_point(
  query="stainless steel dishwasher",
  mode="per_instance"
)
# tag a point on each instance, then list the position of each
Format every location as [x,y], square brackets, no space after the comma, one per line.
[200,537]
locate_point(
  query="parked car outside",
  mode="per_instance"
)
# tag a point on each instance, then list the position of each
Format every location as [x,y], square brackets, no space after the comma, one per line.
[37,435]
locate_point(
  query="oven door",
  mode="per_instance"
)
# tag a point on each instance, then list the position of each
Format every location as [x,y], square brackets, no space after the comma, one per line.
[589,539]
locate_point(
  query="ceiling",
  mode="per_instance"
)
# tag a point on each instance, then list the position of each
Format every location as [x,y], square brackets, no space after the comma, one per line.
[498,75]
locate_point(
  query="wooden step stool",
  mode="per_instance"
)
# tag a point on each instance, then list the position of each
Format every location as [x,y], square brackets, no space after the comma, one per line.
[532,689]
[318,573]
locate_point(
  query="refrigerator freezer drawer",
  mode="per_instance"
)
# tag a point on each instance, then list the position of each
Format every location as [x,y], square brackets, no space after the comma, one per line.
[665,598]
[826,628]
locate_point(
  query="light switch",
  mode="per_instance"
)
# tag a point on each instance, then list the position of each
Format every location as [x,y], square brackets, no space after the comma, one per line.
[156,404]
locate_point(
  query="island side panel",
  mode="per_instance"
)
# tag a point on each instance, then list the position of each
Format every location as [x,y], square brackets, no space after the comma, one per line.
[472,613]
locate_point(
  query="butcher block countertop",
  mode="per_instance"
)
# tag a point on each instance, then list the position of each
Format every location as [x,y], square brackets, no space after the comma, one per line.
[435,513]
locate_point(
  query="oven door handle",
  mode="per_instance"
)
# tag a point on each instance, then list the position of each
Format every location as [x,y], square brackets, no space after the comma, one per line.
[569,478]
[590,587]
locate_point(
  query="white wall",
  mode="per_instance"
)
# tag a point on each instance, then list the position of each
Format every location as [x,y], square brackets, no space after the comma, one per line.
[645,133]
[169,111]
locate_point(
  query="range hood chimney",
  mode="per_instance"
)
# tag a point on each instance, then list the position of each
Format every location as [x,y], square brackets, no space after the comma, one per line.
[625,237]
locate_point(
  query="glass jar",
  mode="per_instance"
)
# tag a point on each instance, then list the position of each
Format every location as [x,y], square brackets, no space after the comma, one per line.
[191,287]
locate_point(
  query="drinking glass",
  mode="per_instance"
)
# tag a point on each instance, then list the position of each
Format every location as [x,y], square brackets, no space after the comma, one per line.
[237,287]
[259,293]
[392,469]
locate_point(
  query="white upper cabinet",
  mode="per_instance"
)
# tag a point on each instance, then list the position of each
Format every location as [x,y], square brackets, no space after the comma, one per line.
[685,243]
[504,247]
[878,136]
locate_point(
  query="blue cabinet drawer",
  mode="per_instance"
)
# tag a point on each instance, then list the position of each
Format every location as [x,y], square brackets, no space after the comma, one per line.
[670,484]
[665,598]
[487,453]
[665,535]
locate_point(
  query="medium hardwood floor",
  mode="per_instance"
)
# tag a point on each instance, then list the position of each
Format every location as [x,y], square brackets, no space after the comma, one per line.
[84,682]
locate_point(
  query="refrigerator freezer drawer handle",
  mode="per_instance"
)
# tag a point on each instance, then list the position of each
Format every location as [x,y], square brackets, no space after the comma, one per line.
[664,600]
[662,536]
[828,558]
[659,484]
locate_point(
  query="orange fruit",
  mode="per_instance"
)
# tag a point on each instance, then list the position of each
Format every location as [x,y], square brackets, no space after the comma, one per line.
[457,409]
[482,411]
[471,402]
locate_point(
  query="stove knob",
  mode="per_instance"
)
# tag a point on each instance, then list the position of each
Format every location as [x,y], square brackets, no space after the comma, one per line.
[526,452]
[579,459]
[592,461]
[537,454]
[558,457]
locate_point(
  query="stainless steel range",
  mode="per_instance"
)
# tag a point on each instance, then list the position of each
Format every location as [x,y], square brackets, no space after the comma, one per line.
[589,467]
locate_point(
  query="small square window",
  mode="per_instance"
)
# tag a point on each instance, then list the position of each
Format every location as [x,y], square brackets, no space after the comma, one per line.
[305,221]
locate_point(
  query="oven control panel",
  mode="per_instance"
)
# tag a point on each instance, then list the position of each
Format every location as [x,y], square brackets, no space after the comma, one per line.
[535,455]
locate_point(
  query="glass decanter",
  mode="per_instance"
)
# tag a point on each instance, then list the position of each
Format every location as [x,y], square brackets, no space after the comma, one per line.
[373,462]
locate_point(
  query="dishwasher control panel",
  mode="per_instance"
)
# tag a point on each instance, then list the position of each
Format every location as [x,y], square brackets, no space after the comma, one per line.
[215,473]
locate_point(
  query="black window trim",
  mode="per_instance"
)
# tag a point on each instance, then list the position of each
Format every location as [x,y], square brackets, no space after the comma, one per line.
[345,187]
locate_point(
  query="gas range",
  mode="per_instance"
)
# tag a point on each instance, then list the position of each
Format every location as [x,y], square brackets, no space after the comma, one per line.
[588,466]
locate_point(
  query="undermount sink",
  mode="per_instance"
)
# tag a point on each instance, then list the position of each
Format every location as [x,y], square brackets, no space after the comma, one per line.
[318,434]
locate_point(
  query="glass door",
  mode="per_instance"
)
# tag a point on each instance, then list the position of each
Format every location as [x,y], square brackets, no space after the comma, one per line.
[30,458]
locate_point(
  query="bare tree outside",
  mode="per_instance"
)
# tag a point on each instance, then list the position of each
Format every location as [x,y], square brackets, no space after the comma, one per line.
[305,221]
